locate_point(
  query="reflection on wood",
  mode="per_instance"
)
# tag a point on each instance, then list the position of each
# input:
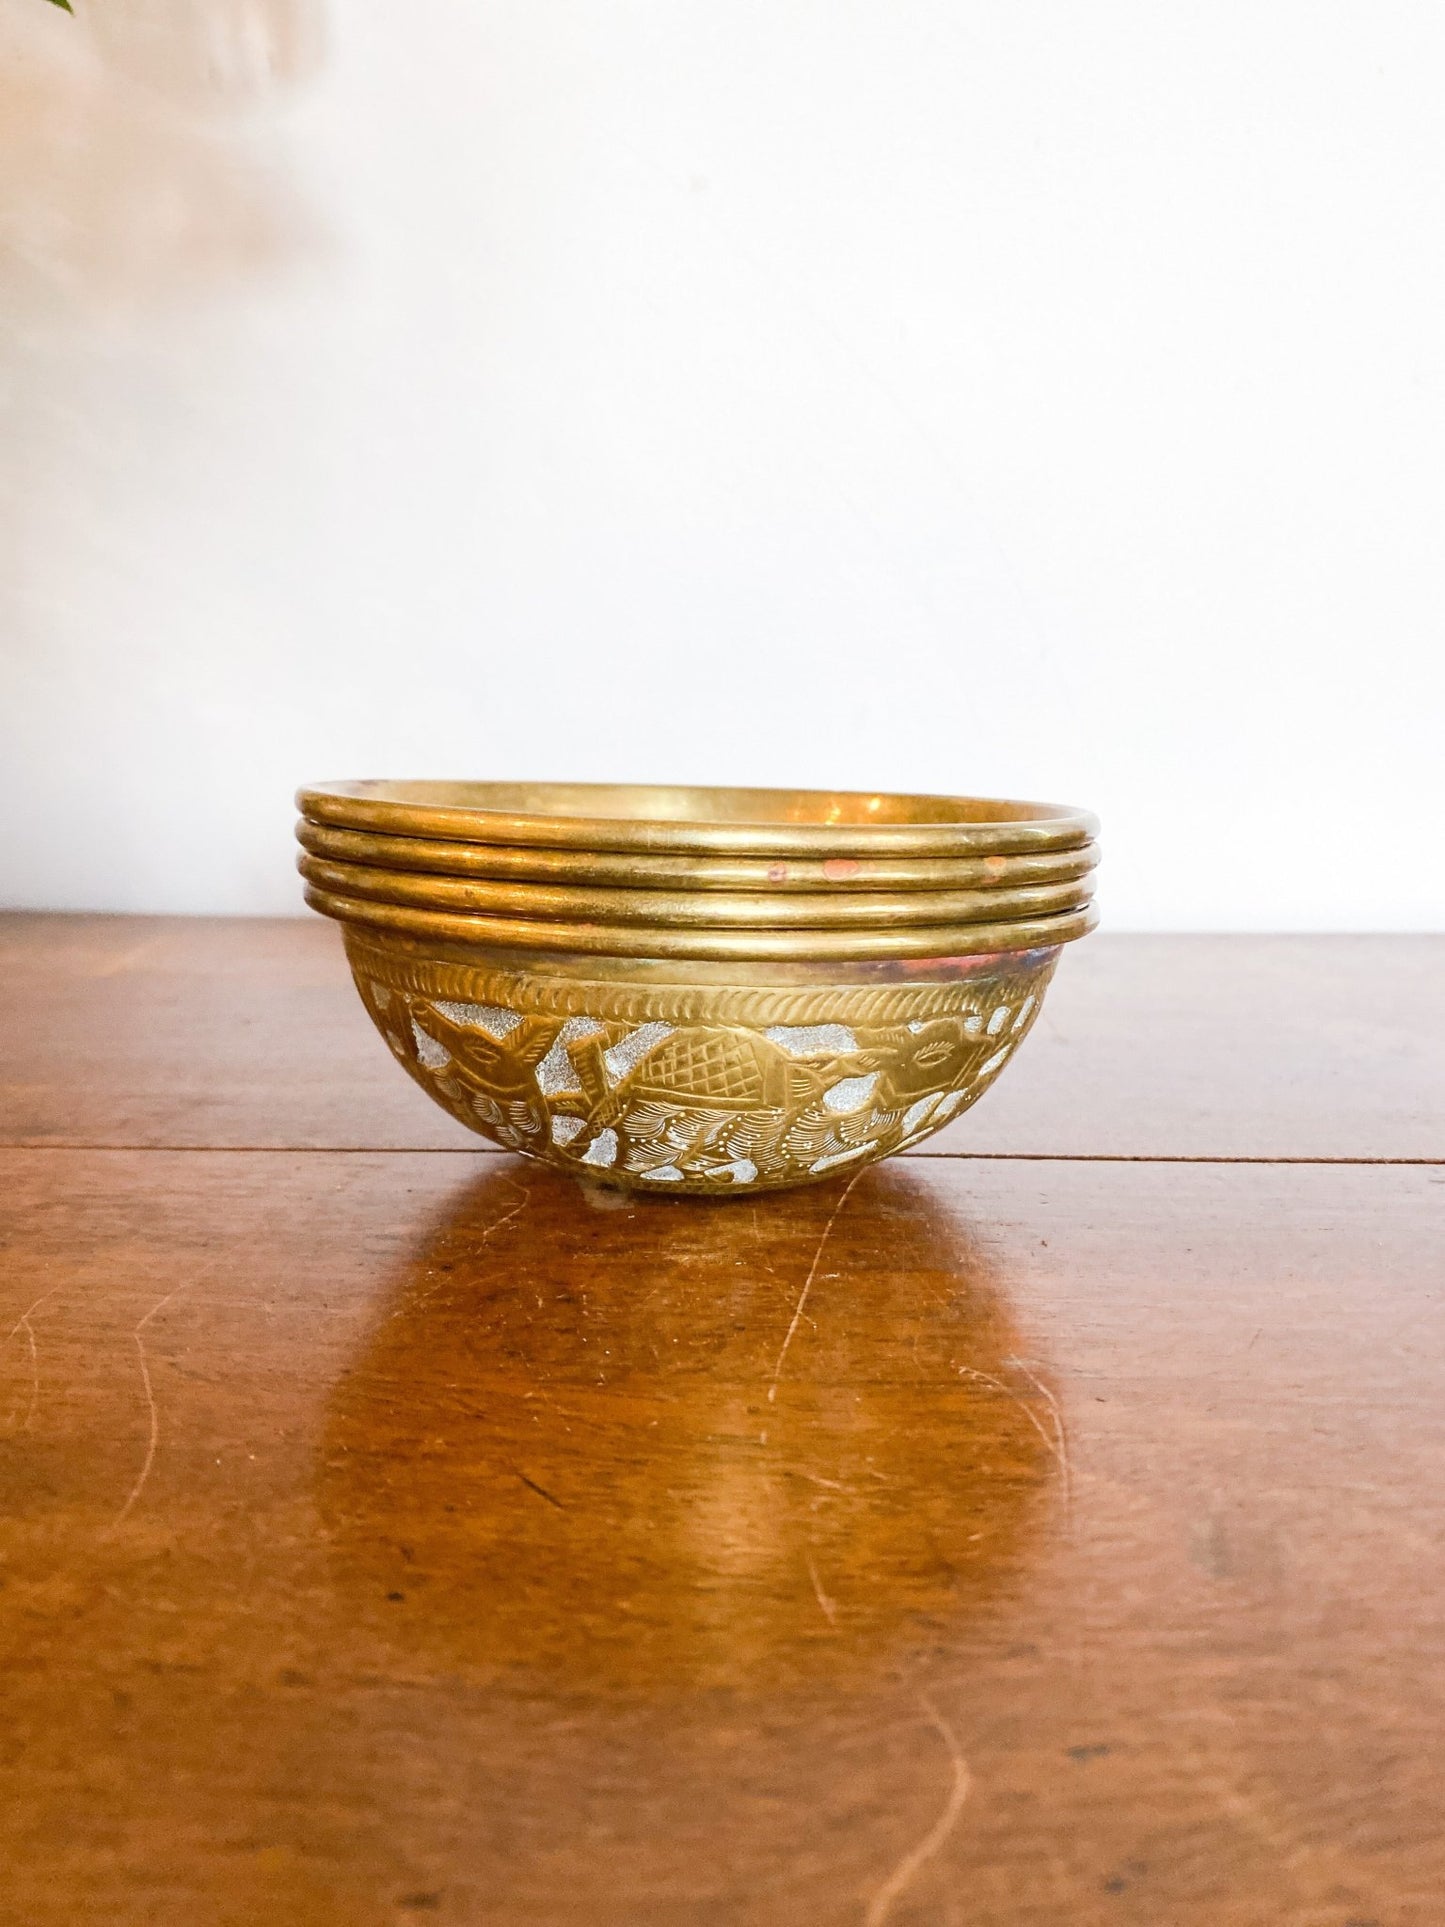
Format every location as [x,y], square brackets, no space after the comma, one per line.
[564,1452]
[291,1682]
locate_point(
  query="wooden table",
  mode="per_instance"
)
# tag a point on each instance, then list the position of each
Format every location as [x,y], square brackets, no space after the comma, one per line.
[394,1531]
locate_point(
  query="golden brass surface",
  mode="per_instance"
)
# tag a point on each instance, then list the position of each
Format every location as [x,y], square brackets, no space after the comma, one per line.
[663,909]
[744,822]
[719,974]
[651,870]
[697,1088]
[623,940]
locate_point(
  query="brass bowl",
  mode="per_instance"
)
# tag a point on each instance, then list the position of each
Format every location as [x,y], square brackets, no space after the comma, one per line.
[654,870]
[601,978]
[740,822]
[722,1079]
[703,909]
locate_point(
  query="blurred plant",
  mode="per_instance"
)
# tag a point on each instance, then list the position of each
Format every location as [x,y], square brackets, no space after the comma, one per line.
[207,57]
[126,180]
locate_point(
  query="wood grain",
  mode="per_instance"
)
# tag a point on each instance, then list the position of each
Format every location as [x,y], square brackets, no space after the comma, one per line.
[141,1031]
[400,1537]
[131,1031]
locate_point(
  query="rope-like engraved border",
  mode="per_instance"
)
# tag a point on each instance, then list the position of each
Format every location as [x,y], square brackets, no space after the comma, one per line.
[755,1006]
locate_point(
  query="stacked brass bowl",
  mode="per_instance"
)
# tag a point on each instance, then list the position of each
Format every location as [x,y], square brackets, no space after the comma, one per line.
[692,989]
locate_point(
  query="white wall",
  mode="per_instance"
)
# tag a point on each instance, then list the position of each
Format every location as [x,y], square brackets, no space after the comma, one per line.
[1036,399]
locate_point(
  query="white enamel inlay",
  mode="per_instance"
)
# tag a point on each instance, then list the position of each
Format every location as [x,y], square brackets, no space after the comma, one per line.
[850,1093]
[576,1028]
[491,1018]
[634,1047]
[557,1074]
[683,1137]
[602,1150]
[916,1113]
[809,1040]
[434,1055]
[839,1157]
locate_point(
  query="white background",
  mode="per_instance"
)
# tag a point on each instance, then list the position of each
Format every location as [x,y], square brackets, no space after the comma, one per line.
[1039,400]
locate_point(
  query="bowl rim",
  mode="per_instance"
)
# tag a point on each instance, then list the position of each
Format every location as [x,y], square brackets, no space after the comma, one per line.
[688,817]
[705,909]
[649,943]
[688,870]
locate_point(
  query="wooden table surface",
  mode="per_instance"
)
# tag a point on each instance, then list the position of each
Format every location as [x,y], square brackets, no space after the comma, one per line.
[392,1531]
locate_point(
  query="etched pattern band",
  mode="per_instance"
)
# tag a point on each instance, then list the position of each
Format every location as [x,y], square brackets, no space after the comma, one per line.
[691,1088]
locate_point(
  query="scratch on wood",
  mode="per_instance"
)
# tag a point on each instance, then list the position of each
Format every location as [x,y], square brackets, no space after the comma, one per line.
[1052,1438]
[816,1478]
[28,1314]
[488,1231]
[959,1787]
[1060,1435]
[31,1346]
[826,1606]
[153,1439]
[153,1411]
[541,1491]
[833,1216]
[23,1324]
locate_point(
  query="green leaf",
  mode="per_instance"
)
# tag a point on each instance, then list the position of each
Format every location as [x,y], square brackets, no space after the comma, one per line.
[63,3]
